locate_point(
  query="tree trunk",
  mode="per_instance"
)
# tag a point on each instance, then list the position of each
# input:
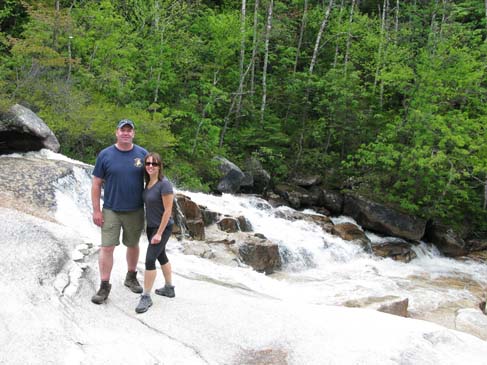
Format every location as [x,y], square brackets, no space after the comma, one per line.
[396,23]
[69,58]
[301,32]
[254,48]
[203,114]
[433,18]
[486,16]
[318,38]
[161,42]
[312,64]
[349,37]
[266,60]
[242,59]
[381,45]
[335,59]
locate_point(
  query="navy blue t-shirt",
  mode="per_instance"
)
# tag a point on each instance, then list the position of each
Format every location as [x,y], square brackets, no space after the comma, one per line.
[123,175]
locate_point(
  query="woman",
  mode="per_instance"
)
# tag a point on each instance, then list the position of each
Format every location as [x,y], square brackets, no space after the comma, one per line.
[158,198]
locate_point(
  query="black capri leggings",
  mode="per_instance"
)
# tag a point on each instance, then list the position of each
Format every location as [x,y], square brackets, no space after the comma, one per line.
[157,251]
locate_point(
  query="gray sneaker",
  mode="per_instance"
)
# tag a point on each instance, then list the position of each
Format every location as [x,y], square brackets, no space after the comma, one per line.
[166,291]
[102,293]
[144,304]
[132,283]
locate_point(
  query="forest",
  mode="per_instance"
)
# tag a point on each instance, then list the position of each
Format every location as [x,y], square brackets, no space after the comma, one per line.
[383,97]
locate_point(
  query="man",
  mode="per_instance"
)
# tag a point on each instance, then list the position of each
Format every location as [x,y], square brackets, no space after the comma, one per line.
[120,170]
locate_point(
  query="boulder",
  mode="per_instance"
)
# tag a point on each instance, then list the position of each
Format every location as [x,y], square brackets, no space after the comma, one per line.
[477,244]
[33,185]
[445,239]
[232,176]
[322,220]
[398,251]
[228,224]
[351,232]
[298,197]
[256,179]
[333,201]
[244,224]
[21,130]
[379,218]
[192,217]
[388,304]
[275,200]
[396,307]
[307,181]
[262,255]
[209,216]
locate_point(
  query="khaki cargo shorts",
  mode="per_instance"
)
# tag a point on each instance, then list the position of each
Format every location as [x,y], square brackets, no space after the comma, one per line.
[130,223]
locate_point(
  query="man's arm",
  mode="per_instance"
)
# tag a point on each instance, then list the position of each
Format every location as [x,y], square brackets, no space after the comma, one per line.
[95,200]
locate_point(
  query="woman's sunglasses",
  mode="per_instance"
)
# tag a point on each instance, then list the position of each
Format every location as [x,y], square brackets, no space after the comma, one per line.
[152,163]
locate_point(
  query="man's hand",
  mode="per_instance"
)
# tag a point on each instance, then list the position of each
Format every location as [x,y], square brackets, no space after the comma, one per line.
[98,218]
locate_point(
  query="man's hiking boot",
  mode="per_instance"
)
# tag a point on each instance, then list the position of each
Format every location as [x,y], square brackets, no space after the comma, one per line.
[144,304]
[132,283]
[102,293]
[166,291]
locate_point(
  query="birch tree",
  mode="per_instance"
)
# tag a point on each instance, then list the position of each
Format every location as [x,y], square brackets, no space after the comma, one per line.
[312,64]
[242,60]
[318,38]
[485,5]
[254,47]
[381,44]
[349,37]
[335,59]
[301,32]
[266,60]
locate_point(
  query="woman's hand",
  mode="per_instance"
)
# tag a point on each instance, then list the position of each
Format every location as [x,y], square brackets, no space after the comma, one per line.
[155,239]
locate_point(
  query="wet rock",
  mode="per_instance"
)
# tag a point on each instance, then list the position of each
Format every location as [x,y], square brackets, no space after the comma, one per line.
[262,255]
[228,224]
[298,197]
[398,251]
[244,224]
[350,232]
[388,304]
[448,242]
[209,217]
[380,218]
[256,179]
[193,218]
[333,201]
[473,321]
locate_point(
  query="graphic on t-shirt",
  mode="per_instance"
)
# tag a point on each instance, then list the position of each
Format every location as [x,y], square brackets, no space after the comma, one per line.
[137,162]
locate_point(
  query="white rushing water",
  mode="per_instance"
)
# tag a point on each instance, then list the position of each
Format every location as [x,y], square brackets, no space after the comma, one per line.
[323,268]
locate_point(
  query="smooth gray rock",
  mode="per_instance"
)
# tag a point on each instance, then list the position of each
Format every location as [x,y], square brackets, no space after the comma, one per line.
[21,130]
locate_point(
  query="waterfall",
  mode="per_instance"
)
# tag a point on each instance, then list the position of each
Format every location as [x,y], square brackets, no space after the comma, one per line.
[323,268]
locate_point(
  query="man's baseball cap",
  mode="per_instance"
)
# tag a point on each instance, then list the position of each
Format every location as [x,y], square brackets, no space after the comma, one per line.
[125,122]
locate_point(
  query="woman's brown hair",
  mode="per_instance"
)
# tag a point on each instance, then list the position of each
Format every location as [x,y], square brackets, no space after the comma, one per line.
[155,158]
